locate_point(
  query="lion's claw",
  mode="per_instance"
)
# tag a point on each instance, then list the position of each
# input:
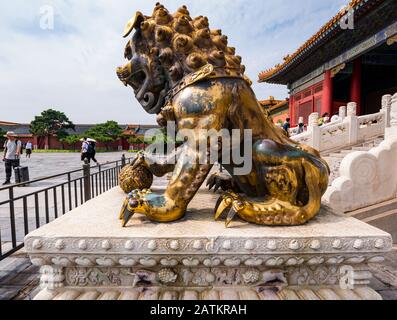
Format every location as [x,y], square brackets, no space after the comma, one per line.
[221,181]
[123,208]
[134,200]
[126,212]
[228,200]
[222,205]
[230,216]
[127,217]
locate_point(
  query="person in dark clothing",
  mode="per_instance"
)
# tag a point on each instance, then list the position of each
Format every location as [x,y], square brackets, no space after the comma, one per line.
[301,128]
[287,125]
[92,151]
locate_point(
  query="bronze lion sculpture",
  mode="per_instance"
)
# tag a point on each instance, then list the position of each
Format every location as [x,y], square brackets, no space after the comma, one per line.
[184,72]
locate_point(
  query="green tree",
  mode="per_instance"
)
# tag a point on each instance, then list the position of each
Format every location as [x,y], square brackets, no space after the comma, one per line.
[51,123]
[136,141]
[71,140]
[105,132]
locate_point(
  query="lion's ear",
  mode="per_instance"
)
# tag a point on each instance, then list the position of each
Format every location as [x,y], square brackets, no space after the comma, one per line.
[133,23]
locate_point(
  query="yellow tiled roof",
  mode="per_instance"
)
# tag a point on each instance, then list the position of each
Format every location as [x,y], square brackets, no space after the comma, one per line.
[263,76]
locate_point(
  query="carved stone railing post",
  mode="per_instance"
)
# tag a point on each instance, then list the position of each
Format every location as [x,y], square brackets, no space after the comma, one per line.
[314,130]
[386,107]
[313,121]
[393,111]
[351,109]
[392,130]
[342,112]
[353,122]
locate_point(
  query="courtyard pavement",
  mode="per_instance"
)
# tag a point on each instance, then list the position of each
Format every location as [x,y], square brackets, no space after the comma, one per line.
[44,165]
[47,164]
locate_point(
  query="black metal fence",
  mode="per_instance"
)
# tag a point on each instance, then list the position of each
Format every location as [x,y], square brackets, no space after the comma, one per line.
[45,199]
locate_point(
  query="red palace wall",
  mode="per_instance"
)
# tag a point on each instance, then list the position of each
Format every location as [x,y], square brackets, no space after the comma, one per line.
[304,103]
[54,144]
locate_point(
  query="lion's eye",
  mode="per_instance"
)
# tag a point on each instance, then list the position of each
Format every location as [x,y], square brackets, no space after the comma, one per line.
[128,51]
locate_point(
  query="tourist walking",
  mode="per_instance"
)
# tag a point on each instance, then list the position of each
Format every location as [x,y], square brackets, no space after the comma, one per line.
[84,150]
[11,156]
[29,149]
[92,150]
[301,125]
[287,125]
[88,150]
[301,128]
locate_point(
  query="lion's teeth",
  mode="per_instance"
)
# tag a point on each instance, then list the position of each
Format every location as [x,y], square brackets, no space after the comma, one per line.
[278,207]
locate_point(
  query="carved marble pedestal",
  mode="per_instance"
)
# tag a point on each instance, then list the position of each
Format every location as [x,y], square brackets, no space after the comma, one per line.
[87,255]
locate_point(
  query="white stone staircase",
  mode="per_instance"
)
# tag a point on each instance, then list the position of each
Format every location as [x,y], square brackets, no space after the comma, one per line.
[334,158]
[349,134]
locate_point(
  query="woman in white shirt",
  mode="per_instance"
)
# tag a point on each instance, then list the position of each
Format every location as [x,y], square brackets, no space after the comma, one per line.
[29,148]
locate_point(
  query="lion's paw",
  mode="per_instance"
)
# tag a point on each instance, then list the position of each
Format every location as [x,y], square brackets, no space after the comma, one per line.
[221,181]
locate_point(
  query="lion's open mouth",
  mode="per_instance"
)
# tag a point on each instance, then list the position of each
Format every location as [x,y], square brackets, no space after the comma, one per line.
[140,83]
[135,79]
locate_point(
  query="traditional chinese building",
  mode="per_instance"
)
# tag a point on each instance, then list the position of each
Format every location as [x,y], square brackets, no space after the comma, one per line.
[277,109]
[352,58]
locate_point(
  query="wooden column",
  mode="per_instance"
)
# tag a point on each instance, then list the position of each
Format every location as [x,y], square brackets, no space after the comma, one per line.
[327,101]
[355,88]
[292,110]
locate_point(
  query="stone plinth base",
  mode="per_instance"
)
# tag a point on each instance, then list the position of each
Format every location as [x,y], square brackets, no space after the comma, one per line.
[87,255]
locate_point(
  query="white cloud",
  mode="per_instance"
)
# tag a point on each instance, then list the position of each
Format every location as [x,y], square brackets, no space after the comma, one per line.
[72,68]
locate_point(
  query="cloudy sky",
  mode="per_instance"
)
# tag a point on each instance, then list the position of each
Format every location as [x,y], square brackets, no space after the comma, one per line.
[72,67]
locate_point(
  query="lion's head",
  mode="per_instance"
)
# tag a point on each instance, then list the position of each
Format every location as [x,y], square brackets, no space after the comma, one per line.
[165,47]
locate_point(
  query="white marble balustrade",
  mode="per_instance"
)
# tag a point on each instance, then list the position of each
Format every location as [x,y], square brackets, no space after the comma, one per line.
[350,129]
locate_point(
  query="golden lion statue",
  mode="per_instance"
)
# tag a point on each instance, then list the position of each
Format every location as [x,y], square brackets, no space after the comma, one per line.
[185,72]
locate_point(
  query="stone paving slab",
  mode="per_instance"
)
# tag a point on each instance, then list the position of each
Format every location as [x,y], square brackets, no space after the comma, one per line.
[47,164]
[18,277]
[40,165]
[385,276]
